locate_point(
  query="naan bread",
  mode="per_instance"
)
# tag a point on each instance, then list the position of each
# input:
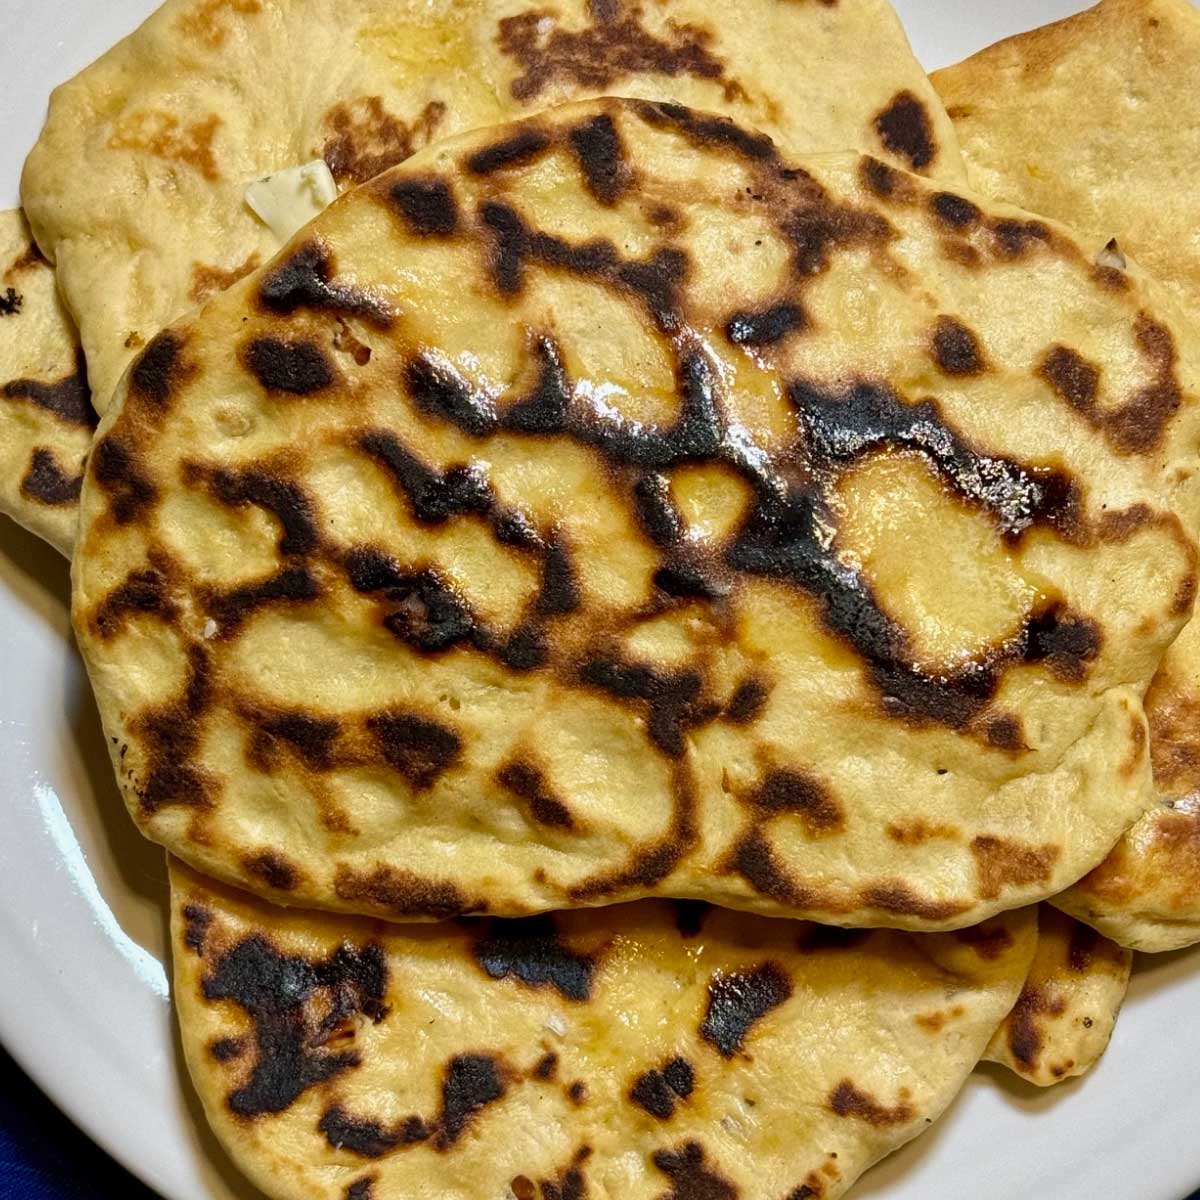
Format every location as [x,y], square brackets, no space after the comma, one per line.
[631,1053]
[46,418]
[1064,1017]
[135,188]
[538,530]
[1123,166]
[1146,893]
[1094,120]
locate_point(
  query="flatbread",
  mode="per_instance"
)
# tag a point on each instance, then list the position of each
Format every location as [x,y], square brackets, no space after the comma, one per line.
[1146,894]
[639,1052]
[1062,1021]
[46,418]
[537,531]
[1094,120]
[135,188]
[1122,166]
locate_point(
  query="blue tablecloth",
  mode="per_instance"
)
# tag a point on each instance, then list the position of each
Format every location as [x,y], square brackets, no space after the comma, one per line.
[44,1157]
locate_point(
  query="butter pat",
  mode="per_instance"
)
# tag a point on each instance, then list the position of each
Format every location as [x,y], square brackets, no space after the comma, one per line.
[290,198]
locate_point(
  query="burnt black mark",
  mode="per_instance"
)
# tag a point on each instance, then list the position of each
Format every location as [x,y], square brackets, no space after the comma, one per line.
[886,182]
[817,227]
[277,990]
[755,861]
[689,917]
[1072,377]
[197,922]
[522,148]
[706,130]
[767,327]
[654,281]
[271,868]
[117,471]
[424,609]
[659,1090]
[439,391]
[1138,425]
[69,399]
[427,206]
[1012,238]
[420,749]
[312,738]
[283,498]
[905,129]
[530,785]
[955,211]
[402,893]
[171,735]
[747,702]
[434,496]
[294,368]
[795,792]
[304,280]
[780,538]
[472,1082]
[143,592]
[370,1139]
[738,1000]
[511,241]
[546,1067]
[361,1189]
[570,1185]
[10,302]
[673,698]
[233,608]
[690,1176]
[846,1100]
[1005,732]
[158,370]
[577,1093]
[227,1049]
[895,896]
[1063,640]
[956,349]
[597,146]
[560,593]
[529,949]
[613,46]
[47,483]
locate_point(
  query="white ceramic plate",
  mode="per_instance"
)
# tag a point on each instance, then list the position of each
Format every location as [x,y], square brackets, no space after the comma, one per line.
[83,988]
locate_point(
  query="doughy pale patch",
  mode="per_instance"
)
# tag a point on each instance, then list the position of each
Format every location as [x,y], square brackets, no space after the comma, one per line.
[1064,1017]
[135,188]
[382,571]
[46,417]
[629,1053]
[1120,166]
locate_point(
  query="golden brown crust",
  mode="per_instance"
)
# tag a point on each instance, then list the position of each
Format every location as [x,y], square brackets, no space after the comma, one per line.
[1112,166]
[1064,1016]
[137,180]
[624,501]
[622,1054]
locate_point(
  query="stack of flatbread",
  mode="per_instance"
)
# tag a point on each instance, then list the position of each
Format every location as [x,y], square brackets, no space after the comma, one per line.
[621,619]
